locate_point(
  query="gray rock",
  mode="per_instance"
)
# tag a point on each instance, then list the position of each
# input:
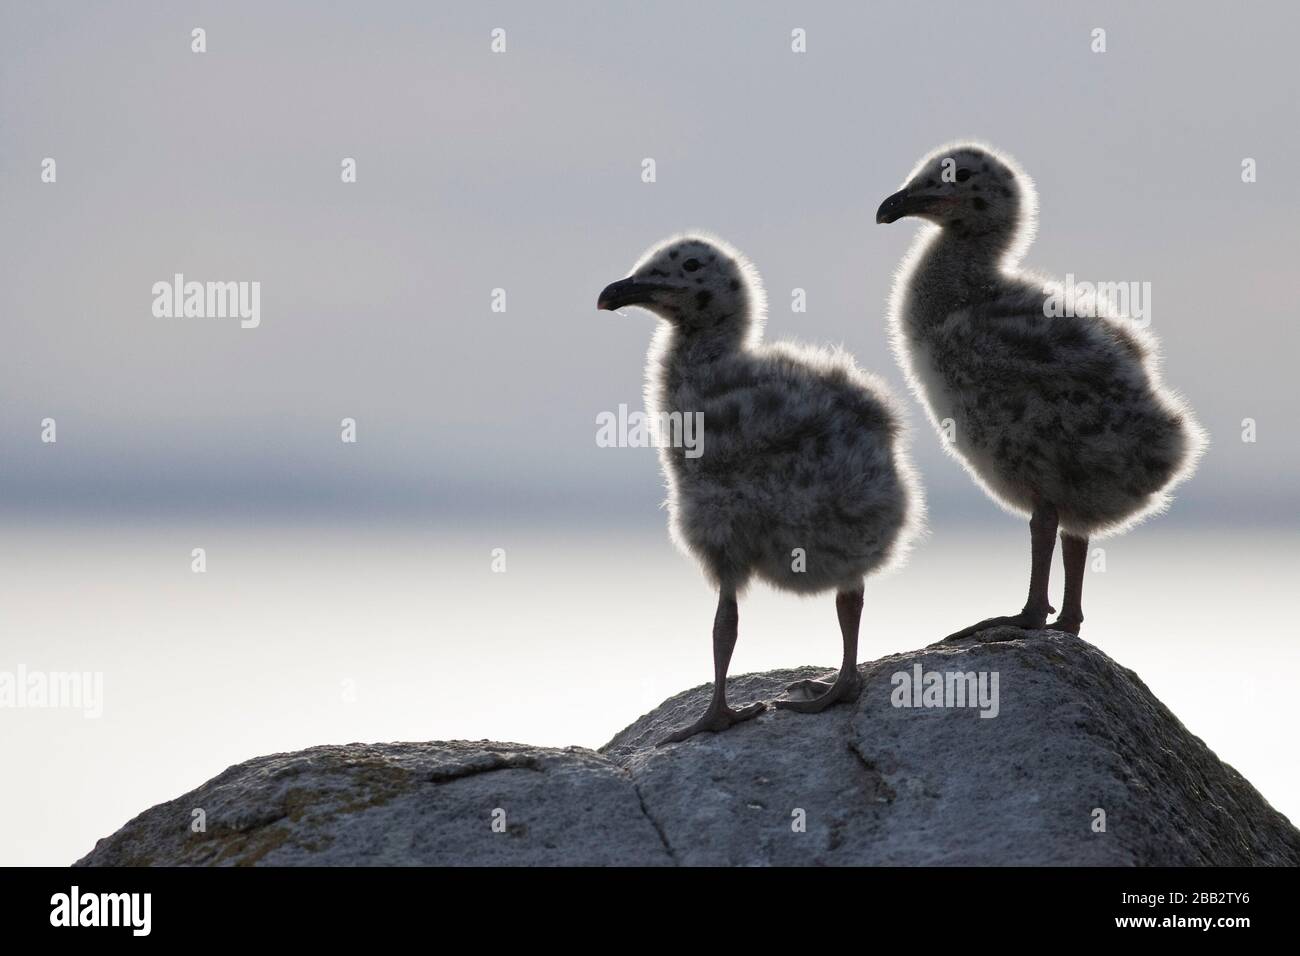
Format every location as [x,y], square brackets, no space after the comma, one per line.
[399,804]
[868,783]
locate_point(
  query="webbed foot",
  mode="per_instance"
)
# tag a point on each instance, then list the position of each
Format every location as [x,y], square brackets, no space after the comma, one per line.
[814,696]
[1026,619]
[1068,625]
[714,721]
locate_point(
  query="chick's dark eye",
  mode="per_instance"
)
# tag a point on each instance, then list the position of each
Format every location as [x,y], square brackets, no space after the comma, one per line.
[963,175]
[690,265]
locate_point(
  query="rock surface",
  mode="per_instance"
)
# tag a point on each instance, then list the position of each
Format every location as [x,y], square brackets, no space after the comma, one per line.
[867,783]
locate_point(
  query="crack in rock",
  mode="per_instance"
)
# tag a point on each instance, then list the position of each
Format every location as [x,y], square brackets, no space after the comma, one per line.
[663,837]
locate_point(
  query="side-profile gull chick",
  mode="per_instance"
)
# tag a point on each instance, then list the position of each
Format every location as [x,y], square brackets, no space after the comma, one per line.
[1054,406]
[802,479]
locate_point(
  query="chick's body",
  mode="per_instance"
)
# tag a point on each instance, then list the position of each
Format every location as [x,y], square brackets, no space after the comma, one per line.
[1061,408]
[799,482]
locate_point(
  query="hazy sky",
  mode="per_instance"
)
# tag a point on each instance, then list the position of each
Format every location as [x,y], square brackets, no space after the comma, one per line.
[521,170]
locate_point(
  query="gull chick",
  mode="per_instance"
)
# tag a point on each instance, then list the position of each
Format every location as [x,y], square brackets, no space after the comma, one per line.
[802,479]
[1056,408]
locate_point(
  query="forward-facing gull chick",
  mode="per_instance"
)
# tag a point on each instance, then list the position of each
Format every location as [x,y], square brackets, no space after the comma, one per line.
[802,479]
[1062,417]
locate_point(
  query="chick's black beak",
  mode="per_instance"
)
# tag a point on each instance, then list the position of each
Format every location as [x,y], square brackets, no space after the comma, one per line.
[623,292]
[895,207]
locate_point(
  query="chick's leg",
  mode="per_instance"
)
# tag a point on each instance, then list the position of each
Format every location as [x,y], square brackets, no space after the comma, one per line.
[848,607]
[1042,535]
[719,716]
[1074,551]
